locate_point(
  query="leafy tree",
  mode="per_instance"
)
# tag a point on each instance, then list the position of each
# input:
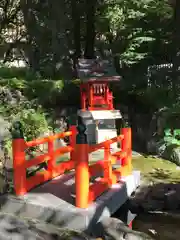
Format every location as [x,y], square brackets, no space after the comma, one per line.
[132,28]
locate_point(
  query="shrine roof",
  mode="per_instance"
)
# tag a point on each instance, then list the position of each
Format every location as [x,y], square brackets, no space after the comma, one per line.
[96,70]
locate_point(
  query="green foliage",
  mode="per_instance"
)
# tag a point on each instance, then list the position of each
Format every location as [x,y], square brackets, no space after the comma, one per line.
[45,91]
[160,97]
[30,108]
[33,121]
[137,33]
[16,73]
[131,28]
[13,83]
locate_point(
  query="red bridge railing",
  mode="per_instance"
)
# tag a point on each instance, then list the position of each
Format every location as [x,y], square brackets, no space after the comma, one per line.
[79,150]
[87,192]
[22,184]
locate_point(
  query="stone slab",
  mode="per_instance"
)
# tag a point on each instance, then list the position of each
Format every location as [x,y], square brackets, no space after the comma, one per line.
[54,202]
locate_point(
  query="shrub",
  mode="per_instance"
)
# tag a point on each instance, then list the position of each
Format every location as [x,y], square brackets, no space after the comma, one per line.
[33,122]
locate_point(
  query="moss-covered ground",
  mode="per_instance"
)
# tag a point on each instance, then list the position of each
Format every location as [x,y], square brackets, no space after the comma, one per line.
[157,169]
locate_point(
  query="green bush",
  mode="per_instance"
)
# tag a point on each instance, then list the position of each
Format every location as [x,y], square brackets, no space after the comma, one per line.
[28,109]
[33,123]
[17,73]
[46,91]
[13,83]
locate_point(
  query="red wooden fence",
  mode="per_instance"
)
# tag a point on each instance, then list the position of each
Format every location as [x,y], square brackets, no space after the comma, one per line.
[22,184]
[79,159]
[86,192]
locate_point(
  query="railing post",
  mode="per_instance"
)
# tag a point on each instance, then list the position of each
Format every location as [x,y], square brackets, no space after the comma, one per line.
[72,140]
[82,168]
[126,147]
[51,162]
[18,150]
[107,165]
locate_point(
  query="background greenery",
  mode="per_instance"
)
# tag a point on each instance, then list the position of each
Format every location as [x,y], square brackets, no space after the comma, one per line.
[50,38]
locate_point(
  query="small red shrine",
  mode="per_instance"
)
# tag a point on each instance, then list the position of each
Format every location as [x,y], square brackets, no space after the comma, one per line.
[95,92]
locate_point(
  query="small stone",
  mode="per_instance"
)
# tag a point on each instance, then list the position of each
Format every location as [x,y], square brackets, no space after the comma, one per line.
[172,200]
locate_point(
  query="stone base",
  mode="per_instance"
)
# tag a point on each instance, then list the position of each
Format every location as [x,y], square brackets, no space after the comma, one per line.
[156,197]
[53,202]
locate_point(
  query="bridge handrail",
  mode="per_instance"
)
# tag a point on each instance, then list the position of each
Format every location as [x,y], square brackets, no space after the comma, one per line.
[86,192]
[101,145]
[79,150]
[49,138]
[22,184]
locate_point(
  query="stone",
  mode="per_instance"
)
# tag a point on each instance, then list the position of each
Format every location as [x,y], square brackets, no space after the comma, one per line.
[4,129]
[12,227]
[165,150]
[163,135]
[137,236]
[175,155]
[160,147]
[115,229]
[5,159]
[172,200]
[158,197]
[151,146]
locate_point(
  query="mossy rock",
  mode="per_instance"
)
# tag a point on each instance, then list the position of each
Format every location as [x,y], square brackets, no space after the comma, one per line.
[161,147]
[164,121]
[156,146]
[164,149]
[172,153]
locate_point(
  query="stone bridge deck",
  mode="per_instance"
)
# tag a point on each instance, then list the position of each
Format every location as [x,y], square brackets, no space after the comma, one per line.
[54,202]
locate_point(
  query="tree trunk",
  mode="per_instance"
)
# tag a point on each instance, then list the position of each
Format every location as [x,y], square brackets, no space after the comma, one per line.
[76,33]
[33,52]
[76,28]
[176,46]
[90,29]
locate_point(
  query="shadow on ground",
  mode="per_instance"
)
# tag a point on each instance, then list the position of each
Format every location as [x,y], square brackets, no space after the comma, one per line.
[158,225]
[158,210]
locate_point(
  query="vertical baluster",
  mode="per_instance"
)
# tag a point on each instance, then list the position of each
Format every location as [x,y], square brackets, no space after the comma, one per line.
[19,161]
[127,148]
[82,168]
[51,161]
[107,165]
[72,139]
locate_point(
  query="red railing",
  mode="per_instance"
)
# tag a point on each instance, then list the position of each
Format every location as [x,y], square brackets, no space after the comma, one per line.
[22,184]
[86,192]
